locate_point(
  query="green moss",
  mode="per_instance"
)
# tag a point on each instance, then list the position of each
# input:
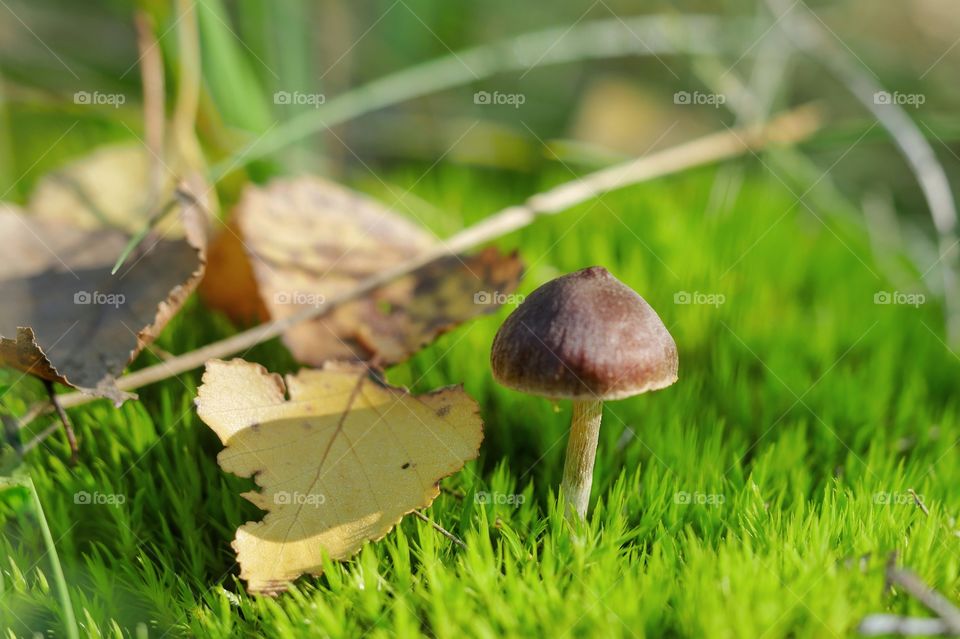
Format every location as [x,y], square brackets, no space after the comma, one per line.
[737,503]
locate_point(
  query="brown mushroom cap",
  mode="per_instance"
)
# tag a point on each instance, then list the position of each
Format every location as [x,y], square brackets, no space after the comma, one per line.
[585,335]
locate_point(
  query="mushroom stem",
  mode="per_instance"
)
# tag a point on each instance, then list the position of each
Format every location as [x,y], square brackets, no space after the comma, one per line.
[581,453]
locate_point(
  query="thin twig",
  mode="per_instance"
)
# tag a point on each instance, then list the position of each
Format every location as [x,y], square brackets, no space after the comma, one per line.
[947,622]
[440,529]
[151,73]
[915,587]
[788,128]
[64,420]
[918,501]
[186,146]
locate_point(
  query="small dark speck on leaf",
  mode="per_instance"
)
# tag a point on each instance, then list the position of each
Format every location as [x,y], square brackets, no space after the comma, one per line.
[443,410]
[405,466]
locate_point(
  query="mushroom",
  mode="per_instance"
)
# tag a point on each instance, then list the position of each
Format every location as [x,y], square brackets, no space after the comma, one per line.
[587,337]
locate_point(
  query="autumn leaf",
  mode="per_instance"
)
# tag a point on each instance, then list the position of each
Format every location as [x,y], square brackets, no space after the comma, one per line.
[229,284]
[308,240]
[64,317]
[338,463]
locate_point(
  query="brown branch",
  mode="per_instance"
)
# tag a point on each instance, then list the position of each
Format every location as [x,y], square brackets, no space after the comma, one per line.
[936,602]
[65,421]
[440,529]
[151,72]
[918,500]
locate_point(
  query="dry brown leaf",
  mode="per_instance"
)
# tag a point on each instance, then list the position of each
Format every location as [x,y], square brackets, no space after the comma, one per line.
[229,284]
[339,463]
[65,318]
[309,240]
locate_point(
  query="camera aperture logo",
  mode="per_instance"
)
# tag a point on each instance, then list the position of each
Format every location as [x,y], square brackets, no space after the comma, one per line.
[901,99]
[96,498]
[99,99]
[299,98]
[284,498]
[96,298]
[516,100]
[499,499]
[897,498]
[697,298]
[496,298]
[299,298]
[896,298]
[698,98]
[698,498]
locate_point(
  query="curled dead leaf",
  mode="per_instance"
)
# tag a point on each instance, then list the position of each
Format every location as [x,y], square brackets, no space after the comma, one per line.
[338,463]
[65,318]
[308,240]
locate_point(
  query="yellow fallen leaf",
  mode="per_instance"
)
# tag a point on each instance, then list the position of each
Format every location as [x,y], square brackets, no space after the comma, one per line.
[339,463]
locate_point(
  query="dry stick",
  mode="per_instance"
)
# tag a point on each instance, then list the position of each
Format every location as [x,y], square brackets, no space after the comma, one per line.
[186,145]
[440,529]
[946,623]
[914,586]
[151,70]
[64,420]
[918,500]
[808,35]
[788,128]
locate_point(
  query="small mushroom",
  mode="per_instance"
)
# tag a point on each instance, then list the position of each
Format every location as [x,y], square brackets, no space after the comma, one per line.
[588,337]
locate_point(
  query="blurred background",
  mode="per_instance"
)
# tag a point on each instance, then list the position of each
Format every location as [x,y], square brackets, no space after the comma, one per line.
[600,86]
[449,111]
[288,87]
